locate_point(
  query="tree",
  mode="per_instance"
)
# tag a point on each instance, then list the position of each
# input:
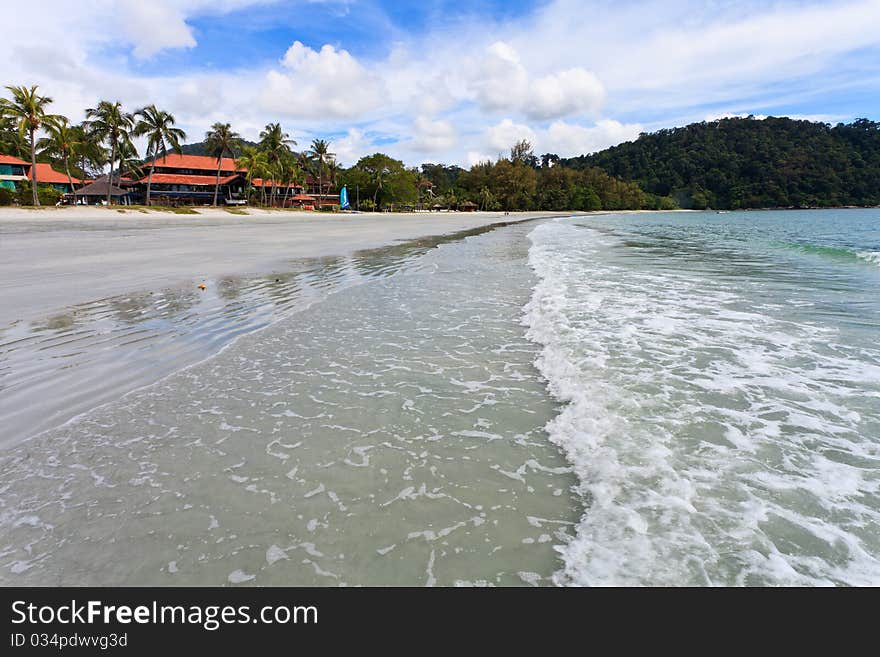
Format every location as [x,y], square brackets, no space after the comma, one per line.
[90,155]
[320,153]
[384,178]
[108,122]
[11,140]
[219,141]
[522,153]
[276,144]
[255,163]
[61,142]
[27,109]
[158,127]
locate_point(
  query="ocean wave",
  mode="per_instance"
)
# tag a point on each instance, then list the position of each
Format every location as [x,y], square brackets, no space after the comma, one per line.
[871,256]
[715,440]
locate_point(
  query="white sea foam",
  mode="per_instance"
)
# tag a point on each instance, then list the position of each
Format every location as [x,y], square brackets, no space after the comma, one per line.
[716,440]
[871,256]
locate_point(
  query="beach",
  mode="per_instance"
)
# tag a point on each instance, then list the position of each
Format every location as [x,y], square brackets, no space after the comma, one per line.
[58,257]
[443,400]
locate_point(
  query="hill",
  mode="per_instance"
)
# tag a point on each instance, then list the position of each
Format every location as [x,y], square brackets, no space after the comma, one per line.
[198,148]
[751,163]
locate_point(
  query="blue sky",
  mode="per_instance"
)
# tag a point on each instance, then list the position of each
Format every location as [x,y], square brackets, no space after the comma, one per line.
[451,81]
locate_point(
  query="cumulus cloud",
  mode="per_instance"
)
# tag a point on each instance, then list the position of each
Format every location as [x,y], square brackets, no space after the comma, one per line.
[350,148]
[154,26]
[328,83]
[568,140]
[574,91]
[502,136]
[501,82]
[432,136]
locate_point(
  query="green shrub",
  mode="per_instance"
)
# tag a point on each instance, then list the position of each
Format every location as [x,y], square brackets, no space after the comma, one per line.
[7,196]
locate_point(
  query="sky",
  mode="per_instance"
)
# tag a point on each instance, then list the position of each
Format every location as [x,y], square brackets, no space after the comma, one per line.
[451,82]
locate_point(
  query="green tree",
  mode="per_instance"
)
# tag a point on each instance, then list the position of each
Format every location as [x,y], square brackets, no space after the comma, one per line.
[320,154]
[276,144]
[27,108]
[256,163]
[219,141]
[158,127]
[62,143]
[108,122]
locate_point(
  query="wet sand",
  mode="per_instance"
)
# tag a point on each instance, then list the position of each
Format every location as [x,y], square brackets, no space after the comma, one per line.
[57,257]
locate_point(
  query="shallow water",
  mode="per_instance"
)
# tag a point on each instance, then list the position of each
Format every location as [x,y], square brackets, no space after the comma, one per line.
[722,381]
[390,434]
[672,399]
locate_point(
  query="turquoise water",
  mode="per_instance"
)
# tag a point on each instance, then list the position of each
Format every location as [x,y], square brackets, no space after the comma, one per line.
[629,399]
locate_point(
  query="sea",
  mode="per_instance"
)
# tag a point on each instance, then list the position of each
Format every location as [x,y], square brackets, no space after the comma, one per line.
[620,399]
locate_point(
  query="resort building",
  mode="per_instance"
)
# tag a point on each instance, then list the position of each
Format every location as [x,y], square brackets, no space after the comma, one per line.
[190,180]
[13,170]
[46,175]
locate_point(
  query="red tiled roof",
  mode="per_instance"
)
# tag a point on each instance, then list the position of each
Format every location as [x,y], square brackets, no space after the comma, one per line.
[10,159]
[202,162]
[180,179]
[46,174]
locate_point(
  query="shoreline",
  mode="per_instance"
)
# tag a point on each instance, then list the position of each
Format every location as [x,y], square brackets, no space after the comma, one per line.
[78,255]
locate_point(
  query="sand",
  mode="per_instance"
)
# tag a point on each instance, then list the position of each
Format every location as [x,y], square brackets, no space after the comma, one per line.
[53,258]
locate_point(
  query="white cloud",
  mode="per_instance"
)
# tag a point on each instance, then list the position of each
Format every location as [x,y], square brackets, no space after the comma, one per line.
[501,82]
[154,26]
[329,83]
[574,91]
[568,140]
[350,148]
[432,136]
[502,136]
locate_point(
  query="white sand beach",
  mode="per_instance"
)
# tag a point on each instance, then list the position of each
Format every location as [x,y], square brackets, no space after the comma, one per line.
[52,258]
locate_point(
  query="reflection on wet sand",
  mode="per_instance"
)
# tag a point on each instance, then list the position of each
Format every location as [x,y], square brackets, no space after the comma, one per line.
[55,369]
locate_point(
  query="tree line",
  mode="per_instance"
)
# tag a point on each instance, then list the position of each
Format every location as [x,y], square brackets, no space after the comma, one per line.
[725,164]
[106,140]
[750,163]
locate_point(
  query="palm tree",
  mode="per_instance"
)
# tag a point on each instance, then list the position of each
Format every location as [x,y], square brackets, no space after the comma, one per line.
[91,156]
[108,122]
[320,153]
[129,162]
[255,162]
[62,142]
[290,173]
[158,127]
[11,140]
[275,143]
[219,140]
[28,109]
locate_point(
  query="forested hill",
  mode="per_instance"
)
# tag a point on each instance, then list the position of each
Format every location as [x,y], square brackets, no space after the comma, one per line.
[751,163]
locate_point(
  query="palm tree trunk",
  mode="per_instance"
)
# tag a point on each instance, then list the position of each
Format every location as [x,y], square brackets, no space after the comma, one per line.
[69,178]
[217,186]
[150,180]
[110,175]
[34,170]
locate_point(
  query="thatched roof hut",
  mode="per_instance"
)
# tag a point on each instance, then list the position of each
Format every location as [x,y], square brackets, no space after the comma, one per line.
[100,187]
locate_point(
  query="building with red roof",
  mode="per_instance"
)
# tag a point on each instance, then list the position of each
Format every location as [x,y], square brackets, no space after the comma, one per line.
[190,179]
[46,175]
[12,171]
